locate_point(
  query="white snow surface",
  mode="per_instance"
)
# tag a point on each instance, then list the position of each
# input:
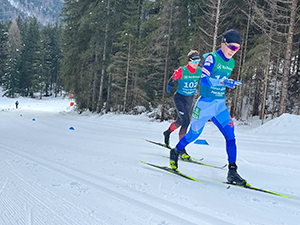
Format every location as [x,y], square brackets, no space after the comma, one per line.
[51,174]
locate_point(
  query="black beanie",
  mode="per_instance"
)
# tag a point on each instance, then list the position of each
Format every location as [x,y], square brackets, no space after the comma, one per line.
[194,56]
[232,36]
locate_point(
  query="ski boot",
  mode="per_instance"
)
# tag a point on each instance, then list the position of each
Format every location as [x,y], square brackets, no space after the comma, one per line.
[167,137]
[174,159]
[184,155]
[233,176]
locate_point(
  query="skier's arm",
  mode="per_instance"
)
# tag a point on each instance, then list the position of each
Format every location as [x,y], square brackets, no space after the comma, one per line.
[176,76]
[230,83]
[207,68]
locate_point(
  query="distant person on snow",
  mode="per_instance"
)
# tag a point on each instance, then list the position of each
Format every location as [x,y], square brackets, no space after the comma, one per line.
[217,68]
[188,78]
[17,104]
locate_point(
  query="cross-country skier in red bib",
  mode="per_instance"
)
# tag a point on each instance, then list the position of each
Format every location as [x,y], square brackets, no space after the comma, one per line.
[188,78]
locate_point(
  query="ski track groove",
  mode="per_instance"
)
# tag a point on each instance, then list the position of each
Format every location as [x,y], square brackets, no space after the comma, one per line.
[3,187]
[45,208]
[13,215]
[154,206]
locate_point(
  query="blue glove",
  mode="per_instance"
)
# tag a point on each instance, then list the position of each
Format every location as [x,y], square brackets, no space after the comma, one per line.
[231,83]
[238,82]
[169,88]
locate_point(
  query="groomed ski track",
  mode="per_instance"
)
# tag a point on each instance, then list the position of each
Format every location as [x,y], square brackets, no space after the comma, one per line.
[93,175]
[85,181]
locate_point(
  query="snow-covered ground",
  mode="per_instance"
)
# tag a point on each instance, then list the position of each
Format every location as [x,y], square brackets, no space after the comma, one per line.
[51,174]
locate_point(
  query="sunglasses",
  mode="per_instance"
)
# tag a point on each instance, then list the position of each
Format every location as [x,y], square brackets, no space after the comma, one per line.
[232,47]
[195,61]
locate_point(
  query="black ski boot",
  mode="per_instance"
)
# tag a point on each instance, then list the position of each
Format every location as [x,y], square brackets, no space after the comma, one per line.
[184,155]
[174,159]
[233,176]
[167,137]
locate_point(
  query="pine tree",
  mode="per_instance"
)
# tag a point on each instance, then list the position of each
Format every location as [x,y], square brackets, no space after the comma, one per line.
[151,41]
[165,49]
[288,55]
[75,39]
[43,65]
[11,77]
[28,55]
[54,33]
[3,50]
[125,66]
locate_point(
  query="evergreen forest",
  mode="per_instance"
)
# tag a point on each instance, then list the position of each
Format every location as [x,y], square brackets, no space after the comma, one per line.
[117,55]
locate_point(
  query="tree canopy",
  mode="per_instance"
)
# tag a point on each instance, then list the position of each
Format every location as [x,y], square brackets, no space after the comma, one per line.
[116,55]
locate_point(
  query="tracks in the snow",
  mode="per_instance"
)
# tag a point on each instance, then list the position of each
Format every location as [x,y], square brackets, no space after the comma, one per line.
[137,200]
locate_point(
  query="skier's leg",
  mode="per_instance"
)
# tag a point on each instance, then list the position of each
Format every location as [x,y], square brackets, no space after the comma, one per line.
[180,106]
[225,124]
[203,111]
[186,119]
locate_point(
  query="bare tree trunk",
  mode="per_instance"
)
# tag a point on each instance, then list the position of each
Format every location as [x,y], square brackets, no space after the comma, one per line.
[233,107]
[298,85]
[127,74]
[249,101]
[41,90]
[298,112]
[140,11]
[275,87]
[257,92]
[242,89]
[80,92]
[287,62]
[103,62]
[268,62]
[108,93]
[95,75]
[274,96]
[240,98]
[266,77]
[166,64]
[135,91]
[216,25]
[237,90]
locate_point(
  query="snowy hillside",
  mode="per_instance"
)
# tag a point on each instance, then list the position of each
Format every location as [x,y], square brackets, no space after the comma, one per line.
[92,174]
[45,11]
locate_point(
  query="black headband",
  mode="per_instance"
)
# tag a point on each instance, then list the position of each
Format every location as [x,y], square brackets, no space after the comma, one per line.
[194,56]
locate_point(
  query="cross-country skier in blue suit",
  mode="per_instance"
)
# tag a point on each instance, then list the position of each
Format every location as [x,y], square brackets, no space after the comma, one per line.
[217,68]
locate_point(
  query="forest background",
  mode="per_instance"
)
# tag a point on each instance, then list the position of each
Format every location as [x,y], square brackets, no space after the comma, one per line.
[117,55]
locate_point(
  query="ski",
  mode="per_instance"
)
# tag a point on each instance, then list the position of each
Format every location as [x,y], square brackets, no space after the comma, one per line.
[191,160]
[196,161]
[157,143]
[248,186]
[176,172]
